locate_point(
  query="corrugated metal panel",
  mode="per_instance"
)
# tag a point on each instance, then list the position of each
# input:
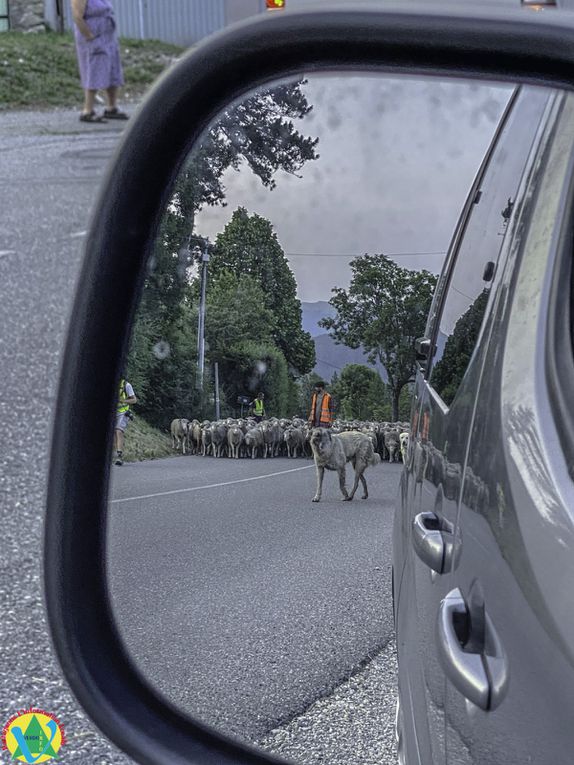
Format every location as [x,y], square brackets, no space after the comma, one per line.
[182,22]
[130,16]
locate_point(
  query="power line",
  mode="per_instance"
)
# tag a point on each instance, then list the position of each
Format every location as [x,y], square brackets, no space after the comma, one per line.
[328,363]
[357,255]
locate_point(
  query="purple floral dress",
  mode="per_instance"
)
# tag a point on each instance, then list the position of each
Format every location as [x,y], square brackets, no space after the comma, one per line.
[99,59]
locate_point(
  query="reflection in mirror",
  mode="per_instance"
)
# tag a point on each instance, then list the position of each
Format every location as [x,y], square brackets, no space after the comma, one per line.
[301,245]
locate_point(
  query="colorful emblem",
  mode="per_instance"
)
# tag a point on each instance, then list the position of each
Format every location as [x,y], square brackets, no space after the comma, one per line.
[33,736]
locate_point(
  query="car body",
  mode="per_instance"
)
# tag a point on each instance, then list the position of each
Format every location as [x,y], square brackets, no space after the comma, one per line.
[483,534]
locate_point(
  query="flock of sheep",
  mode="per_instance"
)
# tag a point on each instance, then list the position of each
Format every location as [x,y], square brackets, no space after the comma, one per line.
[274,437]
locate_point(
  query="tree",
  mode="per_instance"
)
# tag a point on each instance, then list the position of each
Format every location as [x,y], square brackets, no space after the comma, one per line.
[235,313]
[447,373]
[252,367]
[359,390]
[384,310]
[162,366]
[259,132]
[249,246]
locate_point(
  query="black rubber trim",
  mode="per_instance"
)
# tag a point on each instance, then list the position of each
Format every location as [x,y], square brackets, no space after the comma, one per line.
[459,232]
[538,48]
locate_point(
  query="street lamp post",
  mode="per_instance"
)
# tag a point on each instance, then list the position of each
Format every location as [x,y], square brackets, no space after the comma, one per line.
[201,320]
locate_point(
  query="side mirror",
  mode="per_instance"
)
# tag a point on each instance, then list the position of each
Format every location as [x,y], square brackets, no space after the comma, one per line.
[422,348]
[513,47]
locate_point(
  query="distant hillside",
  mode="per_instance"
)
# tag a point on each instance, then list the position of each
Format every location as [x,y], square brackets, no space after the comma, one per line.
[331,357]
[312,312]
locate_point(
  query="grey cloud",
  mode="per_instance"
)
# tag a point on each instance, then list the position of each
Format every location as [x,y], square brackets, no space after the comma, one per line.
[398,156]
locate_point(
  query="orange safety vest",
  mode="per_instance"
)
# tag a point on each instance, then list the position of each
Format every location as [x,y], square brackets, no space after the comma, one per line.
[326,416]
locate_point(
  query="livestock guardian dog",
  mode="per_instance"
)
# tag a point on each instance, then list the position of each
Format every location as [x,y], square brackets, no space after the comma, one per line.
[334,451]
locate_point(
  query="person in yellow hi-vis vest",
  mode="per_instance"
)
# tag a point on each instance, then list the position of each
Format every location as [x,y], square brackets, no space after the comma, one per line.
[126,397]
[258,407]
[321,414]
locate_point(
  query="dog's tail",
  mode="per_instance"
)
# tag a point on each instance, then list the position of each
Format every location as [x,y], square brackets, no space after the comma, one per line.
[375,459]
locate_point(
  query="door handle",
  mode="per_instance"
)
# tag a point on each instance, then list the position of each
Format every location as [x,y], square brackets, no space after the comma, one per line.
[433,540]
[478,671]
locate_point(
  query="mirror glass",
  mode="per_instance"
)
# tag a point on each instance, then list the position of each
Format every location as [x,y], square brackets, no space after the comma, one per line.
[302,244]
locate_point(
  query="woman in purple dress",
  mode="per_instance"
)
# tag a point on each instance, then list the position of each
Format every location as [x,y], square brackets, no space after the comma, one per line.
[98,54]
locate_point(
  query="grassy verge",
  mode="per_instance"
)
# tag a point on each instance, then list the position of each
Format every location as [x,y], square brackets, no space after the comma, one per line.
[143,442]
[40,70]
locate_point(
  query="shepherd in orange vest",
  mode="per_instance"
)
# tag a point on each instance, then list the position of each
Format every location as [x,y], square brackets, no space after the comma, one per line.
[321,414]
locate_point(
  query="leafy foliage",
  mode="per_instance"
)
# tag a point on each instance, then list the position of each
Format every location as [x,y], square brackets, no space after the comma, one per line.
[254,367]
[162,366]
[249,246]
[236,310]
[260,133]
[447,373]
[384,310]
[39,70]
[358,391]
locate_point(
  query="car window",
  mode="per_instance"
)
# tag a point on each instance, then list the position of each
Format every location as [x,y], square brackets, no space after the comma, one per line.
[471,277]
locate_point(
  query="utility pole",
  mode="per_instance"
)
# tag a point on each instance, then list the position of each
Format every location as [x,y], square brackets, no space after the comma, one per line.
[201,320]
[216,390]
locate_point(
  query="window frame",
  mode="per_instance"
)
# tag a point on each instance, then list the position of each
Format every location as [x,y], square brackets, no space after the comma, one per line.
[460,233]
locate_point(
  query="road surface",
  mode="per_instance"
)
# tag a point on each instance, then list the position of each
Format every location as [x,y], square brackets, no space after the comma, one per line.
[239,598]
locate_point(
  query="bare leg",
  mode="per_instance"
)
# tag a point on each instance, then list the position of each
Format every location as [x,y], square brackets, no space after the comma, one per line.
[112,94]
[320,474]
[89,101]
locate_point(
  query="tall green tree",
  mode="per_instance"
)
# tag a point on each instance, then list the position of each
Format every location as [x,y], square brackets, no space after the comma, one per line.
[162,366]
[235,313]
[258,132]
[254,367]
[248,245]
[384,310]
[359,390]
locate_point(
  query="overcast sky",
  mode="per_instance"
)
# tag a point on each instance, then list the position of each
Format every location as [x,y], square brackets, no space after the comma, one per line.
[397,157]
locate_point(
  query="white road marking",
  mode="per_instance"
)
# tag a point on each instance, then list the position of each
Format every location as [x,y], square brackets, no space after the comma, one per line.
[5,253]
[210,485]
[77,234]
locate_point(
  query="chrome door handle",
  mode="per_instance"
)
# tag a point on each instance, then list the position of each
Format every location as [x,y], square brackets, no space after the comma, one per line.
[480,673]
[433,540]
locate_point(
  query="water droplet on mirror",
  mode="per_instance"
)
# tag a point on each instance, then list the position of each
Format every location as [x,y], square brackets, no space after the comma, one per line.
[161,349]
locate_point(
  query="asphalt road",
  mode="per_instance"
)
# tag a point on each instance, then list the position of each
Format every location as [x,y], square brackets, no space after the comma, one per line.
[50,170]
[240,599]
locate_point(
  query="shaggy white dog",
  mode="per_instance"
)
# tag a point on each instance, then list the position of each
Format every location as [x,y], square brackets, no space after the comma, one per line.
[334,451]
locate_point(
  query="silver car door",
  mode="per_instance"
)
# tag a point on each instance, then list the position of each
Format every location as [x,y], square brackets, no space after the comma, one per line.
[505,628]
[444,417]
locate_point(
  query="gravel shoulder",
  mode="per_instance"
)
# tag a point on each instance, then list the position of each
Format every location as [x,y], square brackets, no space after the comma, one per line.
[355,724]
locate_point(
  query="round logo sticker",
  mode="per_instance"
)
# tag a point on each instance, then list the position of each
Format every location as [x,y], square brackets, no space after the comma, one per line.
[33,735]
